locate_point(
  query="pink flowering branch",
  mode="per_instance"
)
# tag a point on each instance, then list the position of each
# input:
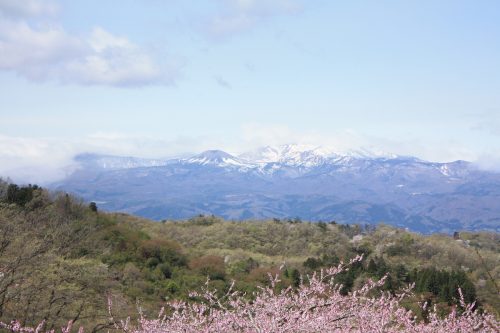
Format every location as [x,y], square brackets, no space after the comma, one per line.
[317,305]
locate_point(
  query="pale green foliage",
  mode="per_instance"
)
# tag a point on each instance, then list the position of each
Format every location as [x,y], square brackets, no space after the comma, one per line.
[275,243]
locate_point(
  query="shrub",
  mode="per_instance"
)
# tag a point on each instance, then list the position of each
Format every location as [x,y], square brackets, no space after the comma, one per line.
[166,270]
[163,250]
[152,262]
[211,266]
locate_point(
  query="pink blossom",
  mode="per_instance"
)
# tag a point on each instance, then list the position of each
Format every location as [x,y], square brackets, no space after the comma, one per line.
[316,306]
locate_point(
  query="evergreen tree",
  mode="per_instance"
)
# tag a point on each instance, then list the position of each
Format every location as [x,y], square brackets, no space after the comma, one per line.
[295,276]
[402,273]
[312,263]
[93,207]
[381,268]
[372,267]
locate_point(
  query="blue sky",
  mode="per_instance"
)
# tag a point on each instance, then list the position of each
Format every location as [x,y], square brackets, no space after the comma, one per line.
[159,78]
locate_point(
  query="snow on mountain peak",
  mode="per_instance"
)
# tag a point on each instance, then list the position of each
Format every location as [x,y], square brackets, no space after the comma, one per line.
[290,154]
[215,157]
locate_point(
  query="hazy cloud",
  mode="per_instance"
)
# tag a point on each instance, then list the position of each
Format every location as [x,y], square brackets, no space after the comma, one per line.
[240,15]
[33,160]
[23,8]
[263,8]
[43,160]
[489,161]
[258,135]
[488,122]
[222,82]
[255,135]
[40,160]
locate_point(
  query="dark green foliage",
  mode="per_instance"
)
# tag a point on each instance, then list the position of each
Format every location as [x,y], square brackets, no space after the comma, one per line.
[325,261]
[329,260]
[322,225]
[444,284]
[372,267]
[20,195]
[295,276]
[172,287]
[382,268]
[396,250]
[312,263]
[346,279]
[166,270]
[93,207]
[163,251]
[402,273]
[152,262]
[350,230]
[245,266]
[389,283]
[362,249]
[204,220]
[377,267]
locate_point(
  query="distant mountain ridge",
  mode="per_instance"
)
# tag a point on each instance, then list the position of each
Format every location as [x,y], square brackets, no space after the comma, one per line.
[314,183]
[110,162]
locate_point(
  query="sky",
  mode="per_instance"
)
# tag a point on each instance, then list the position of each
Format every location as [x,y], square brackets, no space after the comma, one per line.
[159,78]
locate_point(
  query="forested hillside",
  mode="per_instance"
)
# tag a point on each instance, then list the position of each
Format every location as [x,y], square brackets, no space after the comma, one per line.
[62,258]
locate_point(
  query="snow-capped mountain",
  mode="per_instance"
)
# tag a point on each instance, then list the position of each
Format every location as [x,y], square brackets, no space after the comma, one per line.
[311,182]
[290,155]
[309,156]
[217,158]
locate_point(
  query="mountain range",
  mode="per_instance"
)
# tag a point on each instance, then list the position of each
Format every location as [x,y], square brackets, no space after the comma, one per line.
[290,181]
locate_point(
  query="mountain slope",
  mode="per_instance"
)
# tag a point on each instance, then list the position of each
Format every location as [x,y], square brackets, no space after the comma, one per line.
[313,183]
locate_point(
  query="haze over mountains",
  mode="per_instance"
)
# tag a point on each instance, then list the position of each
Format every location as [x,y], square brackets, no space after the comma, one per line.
[313,183]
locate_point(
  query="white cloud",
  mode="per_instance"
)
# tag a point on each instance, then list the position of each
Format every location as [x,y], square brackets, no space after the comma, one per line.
[36,54]
[24,8]
[45,51]
[114,60]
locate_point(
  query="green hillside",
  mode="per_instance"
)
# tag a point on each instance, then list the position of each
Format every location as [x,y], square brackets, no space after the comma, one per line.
[61,258]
